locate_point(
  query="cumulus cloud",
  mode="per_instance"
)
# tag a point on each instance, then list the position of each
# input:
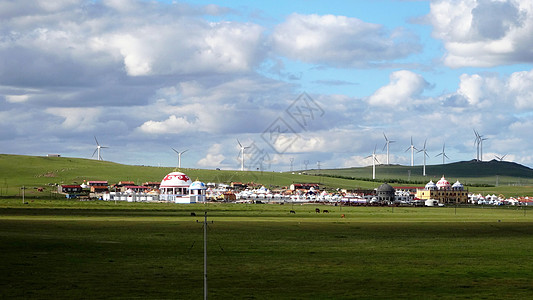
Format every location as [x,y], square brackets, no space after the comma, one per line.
[339,41]
[173,124]
[77,119]
[214,158]
[483,33]
[404,87]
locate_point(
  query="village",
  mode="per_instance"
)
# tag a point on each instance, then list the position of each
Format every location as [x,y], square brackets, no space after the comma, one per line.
[177,187]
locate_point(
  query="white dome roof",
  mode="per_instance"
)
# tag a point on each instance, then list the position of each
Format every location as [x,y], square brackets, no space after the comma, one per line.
[197,185]
[443,184]
[457,185]
[431,185]
[176,179]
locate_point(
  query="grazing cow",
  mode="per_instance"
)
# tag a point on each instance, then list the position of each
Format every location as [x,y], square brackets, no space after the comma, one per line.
[325,211]
[193,214]
[292,212]
[342,216]
[317,210]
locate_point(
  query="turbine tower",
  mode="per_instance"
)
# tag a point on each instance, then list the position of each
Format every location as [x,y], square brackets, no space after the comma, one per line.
[425,154]
[242,154]
[476,143]
[97,150]
[387,142]
[443,154]
[412,148]
[374,160]
[481,139]
[179,156]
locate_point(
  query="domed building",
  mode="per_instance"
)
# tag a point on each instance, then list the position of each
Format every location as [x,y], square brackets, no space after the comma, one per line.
[431,185]
[443,192]
[385,193]
[197,192]
[175,188]
[443,184]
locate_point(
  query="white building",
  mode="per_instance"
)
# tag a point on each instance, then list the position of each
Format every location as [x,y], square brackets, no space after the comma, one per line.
[175,188]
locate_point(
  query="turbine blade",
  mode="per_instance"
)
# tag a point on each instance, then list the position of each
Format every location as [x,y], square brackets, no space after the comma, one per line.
[95,150]
[239,143]
[96,140]
[184,151]
[174,150]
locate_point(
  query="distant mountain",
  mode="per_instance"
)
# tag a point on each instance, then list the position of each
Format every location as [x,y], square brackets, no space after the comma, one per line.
[472,171]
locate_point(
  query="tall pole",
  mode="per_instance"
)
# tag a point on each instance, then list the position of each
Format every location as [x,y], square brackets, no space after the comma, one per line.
[292,160]
[205,255]
[424,162]
[374,166]
[23,194]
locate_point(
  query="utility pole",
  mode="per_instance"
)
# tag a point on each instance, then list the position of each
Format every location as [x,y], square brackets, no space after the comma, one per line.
[205,256]
[292,160]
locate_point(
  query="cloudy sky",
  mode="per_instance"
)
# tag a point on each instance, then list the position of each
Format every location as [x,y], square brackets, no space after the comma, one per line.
[312,82]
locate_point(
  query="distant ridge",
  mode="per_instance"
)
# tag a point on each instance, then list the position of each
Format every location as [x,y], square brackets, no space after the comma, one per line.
[472,171]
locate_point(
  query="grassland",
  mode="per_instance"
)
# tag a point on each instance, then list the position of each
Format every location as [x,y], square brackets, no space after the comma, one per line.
[94,249]
[33,172]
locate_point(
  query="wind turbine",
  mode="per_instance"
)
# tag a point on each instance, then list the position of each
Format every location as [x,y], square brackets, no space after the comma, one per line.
[412,148]
[179,156]
[387,142]
[242,153]
[425,154]
[476,143]
[443,153]
[97,150]
[500,158]
[481,139]
[374,160]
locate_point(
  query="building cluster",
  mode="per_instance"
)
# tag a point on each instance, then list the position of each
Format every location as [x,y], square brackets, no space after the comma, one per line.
[177,187]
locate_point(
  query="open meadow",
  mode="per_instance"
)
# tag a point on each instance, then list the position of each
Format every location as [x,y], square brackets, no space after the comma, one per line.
[70,249]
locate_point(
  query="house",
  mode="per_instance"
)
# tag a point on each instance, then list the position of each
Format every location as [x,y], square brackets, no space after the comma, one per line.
[304,186]
[154,185]
[134,189]
[98,186]
[69,189]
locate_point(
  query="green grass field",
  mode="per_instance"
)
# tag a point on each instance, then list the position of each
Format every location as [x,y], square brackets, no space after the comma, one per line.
[94,249]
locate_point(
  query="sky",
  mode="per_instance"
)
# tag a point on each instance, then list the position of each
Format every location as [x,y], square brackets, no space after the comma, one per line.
[301,84]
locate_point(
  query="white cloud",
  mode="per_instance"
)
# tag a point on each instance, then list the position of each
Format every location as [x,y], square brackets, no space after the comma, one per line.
[520,85]
[173,125]
[214,158]
[17,98]
[404,87]
[339,41]
[483,33]
[77,119]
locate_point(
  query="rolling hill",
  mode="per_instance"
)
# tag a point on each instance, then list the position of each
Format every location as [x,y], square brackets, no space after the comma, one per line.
[470,172]
[45,172]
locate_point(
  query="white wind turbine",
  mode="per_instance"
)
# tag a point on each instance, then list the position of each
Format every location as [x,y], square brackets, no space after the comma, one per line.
[387,142]
[374,160]
[481,139]
[443,153]
[97,150]
[476,143]
[412,148]
[179,156]
[425,154]
[500,158]
[242,154]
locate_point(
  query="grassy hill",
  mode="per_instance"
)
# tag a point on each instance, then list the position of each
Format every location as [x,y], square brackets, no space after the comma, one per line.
[468,172]
[35,171]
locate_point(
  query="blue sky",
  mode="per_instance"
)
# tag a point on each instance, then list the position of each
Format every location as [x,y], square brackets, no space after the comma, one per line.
[304,80]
